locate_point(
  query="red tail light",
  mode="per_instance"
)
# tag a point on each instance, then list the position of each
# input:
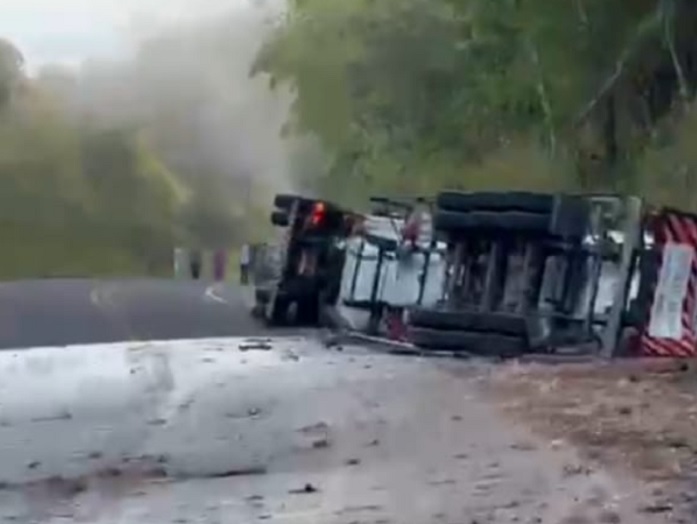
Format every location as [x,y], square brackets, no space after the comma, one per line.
[319,211]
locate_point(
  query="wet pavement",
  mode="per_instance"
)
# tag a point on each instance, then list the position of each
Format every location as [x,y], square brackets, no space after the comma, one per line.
[283,430]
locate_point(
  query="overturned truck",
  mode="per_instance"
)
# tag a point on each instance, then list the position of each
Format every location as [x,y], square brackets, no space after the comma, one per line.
[298,276]
[505,274]
[526,273]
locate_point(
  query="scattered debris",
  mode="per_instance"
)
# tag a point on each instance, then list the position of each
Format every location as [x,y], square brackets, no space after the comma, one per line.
[321,443]
[572,470]
[185,405]
[524,446]
[609,517]
[64,415]
[308,488]
[113,473]
[255,345]
[240,472]
[656,508]
[320,427]
[358,509]
[442,482]
[289,355]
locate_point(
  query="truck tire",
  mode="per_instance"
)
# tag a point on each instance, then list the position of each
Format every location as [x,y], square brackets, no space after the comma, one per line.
[481,322]
[496,201]
[262,296]
[479,344]
[280,218]
[286,201]
[278,315]
[308,311]
[571,218]
[514,221]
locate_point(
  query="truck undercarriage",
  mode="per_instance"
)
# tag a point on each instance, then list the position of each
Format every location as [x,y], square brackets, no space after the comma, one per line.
[490,274]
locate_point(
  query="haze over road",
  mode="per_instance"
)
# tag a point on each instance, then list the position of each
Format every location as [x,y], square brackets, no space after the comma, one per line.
[64,311]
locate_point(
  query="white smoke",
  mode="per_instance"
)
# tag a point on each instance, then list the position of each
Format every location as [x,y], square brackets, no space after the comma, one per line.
[186,82]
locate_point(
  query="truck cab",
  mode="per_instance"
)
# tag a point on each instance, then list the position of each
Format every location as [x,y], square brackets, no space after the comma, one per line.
[308,261]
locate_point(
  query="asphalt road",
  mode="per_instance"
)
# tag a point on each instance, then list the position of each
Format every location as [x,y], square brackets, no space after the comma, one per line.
[62,312]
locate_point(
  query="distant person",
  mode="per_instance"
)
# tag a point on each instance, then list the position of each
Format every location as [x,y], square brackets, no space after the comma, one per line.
[219,264]
[245,261]
[195,263]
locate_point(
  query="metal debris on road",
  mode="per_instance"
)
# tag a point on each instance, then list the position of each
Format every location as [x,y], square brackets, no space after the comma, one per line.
[290,355]
[255,345]
[320,427]
[65,415]
[321,443]
[308,488]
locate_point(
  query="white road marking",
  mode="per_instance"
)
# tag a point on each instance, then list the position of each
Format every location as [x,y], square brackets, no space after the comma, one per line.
[95,297]
[102,295]
[211,295]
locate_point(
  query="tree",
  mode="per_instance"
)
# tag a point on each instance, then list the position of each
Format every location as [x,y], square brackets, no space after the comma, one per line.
[403,91]
[11,70]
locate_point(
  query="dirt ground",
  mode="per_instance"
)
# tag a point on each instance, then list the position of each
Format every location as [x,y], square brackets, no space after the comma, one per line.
[637,416]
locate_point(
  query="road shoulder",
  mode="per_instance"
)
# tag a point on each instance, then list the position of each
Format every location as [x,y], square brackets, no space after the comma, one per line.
[639,418]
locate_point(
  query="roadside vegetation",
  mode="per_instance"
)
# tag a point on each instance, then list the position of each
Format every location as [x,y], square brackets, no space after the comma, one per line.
[413,95]
[106,168]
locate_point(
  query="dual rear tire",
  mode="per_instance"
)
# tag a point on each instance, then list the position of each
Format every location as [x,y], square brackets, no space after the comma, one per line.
[469,332]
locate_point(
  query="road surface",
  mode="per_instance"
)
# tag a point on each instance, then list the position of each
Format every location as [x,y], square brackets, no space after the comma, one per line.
[286,431]
[62,311]
[233,430]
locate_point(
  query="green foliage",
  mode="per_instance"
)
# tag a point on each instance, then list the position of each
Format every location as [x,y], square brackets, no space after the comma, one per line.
[667,170]
[11,62]
[77,198]
[413,95]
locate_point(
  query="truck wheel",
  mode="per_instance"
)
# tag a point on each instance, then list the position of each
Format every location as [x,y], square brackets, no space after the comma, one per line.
[278,316]
[280,218]
[492,201]
[480,344]
[262,296]
[481,322]
[308,311]
[515,221]
[285,201]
